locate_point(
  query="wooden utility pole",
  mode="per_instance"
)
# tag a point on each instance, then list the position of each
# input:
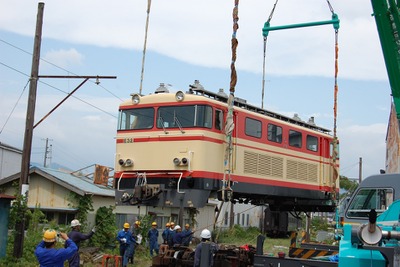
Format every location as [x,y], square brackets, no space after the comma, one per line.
[30,116]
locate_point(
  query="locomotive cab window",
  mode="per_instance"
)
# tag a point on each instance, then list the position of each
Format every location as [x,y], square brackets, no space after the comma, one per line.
[139,118]
[295,138]
[184,116]
[312,143]
[253,127]
[274,133]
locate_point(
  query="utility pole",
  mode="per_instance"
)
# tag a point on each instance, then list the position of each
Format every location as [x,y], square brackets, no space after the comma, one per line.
[360,171]
[30,116]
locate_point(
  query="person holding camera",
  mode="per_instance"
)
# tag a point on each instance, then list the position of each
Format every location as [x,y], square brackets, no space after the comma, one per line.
[48,255]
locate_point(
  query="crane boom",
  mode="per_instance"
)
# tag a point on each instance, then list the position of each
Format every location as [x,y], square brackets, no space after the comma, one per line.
[387,18]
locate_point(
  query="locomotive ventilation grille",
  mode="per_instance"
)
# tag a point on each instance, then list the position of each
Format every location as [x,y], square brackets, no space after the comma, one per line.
[266,165]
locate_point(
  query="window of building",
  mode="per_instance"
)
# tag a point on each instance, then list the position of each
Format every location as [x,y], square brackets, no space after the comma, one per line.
[253,127]
[226,218]
[242,219]
[295,138]
[274,133]
[238,218]
[248,219]
[312,143]
[65,218]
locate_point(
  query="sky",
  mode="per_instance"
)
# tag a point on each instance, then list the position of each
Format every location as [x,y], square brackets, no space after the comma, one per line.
[187,41]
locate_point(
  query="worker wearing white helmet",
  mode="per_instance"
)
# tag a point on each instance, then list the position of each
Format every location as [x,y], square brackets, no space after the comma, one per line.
[76,236]
[179,235]
[205,238]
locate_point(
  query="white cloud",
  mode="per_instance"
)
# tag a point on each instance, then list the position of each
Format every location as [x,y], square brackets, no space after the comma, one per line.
[64,58]
[199,32]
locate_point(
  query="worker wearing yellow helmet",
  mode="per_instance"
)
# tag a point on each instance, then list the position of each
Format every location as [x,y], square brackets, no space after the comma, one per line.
[138,239]
[126,244]
[188,238]
[48,255]
[166,233]
[153,238]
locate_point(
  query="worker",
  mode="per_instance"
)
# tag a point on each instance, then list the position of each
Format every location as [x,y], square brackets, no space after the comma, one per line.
[126,244]
[166,233]
[205,238]
[187,239]
[48,255]
[153,238]
[76,236]
[179,236]
[138,238]
[171,235]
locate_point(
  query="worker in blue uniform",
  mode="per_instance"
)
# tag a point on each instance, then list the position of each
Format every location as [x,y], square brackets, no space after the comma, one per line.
[48,255]
[126,244]
[179,236]
[153,238]
[205,238]
[188,238]
[76,236]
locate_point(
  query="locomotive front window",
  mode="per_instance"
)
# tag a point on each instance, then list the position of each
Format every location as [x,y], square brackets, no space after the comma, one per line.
[184,116]
[139,118]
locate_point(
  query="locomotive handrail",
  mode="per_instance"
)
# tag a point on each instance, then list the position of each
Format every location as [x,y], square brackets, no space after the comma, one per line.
[119,180]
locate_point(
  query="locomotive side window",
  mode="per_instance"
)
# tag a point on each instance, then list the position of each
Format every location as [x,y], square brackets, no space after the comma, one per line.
[253,127]
[219,119]
[312,143]
[140,118]
[295,138]
[274,133]
[184,116]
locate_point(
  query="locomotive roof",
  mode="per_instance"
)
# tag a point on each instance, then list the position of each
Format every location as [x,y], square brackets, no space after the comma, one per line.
[242,103]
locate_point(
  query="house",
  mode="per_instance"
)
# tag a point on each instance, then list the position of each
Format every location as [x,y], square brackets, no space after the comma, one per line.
[52,191]
[393,143]
[10,160]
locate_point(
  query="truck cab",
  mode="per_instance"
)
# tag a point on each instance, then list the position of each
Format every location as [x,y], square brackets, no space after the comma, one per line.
[375,192]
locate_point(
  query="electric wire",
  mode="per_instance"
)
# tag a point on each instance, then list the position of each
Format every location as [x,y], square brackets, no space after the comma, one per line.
[52,86]
[12,110]
[61,68]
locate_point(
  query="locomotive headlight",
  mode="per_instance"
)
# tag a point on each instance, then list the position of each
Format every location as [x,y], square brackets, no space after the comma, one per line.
[135,99]
[179,96]
[125,163]
[128,162]
[176,161]
[184,161]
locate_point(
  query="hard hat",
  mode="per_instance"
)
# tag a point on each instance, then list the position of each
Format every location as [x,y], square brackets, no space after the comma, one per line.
[126,225]
[49,236]
[206,234]
[137,223]
[75,223]
[167,224]
[172,223]
[187,225]
[153,224]
[177,227]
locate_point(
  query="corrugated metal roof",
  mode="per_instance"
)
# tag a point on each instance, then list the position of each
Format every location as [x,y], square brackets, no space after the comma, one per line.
[80,185]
